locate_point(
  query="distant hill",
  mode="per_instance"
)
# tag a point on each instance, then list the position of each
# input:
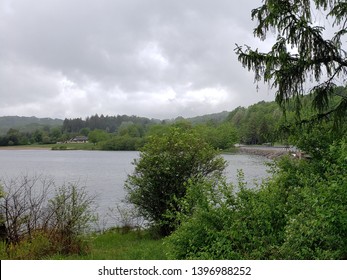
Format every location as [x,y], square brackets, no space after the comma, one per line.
[25,124]
[216,117]
[30,124]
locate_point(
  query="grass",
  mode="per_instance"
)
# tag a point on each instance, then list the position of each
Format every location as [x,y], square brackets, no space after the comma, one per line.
[116,245]
[75,146]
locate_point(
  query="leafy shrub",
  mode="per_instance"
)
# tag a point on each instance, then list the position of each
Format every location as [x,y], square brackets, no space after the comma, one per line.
[300,213]
[71,216]
[122,143]
[203,219]
[165,165]
[23,206]
[38,246]
[37,226]
[317,228]
[225,222]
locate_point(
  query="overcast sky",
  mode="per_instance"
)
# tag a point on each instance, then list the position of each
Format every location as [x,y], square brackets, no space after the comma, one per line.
[152,58]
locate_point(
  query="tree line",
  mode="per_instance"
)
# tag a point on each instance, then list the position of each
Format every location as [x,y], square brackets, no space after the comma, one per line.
[109,124]
[261,123]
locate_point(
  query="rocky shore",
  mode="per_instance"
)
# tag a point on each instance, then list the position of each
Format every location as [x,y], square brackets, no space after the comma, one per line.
[269,152]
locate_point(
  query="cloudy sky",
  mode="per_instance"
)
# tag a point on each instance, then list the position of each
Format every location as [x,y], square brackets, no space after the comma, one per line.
[152,58]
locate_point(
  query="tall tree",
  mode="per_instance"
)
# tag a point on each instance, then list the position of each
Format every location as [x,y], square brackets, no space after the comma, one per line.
[303,54]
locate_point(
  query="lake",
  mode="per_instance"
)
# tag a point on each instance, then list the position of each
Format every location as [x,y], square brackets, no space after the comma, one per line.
[103,172]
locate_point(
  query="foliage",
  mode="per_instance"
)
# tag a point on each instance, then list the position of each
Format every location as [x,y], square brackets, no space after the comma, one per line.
[71,216]
[216,118]
[39,246]
[222,136]
[299,213]
[227,223]
[122,143]
[97,135]
[114,244]
[34,222]
[26,124]
[69,146]
[23,206]
[302,53]
[257,124]
[316,227]
[109,124]
[46,135]
[165,165]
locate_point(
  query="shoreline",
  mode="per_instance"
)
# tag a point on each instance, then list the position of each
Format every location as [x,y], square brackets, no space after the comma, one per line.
[270,153]
[23,147]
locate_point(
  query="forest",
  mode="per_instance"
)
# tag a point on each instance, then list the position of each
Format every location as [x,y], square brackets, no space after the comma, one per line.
[263,122]
[257,124]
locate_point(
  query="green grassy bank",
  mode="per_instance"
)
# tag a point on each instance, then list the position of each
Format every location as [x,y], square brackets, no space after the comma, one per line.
[64,146]
[110,245]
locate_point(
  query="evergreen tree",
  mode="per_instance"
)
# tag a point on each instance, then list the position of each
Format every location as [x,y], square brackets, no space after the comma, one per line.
[303,53]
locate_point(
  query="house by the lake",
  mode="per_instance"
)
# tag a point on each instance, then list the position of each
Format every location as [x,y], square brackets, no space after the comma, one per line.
[79,139]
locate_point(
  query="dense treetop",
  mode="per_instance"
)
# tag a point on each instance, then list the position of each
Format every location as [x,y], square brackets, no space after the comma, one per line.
[307,53]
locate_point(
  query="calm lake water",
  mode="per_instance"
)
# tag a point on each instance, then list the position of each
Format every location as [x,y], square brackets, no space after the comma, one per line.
[102,172]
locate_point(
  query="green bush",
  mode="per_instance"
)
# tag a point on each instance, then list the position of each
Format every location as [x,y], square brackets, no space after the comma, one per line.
[317,228]
[38,246]
[207,210]
[122,143]
[300,213]
[224,222]
[165,165]
[36,226]
[71,217]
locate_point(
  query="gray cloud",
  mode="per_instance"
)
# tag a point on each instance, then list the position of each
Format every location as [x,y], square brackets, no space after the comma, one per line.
[152,58]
